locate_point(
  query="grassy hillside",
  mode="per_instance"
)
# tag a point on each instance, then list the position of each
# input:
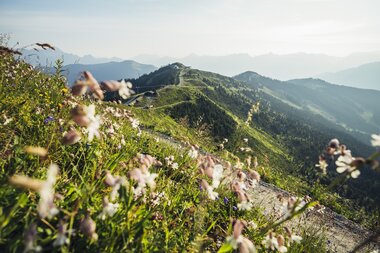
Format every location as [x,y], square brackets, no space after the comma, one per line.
[85,195]
[290,137]
[354,109]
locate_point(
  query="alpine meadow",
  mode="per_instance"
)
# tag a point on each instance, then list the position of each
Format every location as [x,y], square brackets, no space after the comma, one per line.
[190,126]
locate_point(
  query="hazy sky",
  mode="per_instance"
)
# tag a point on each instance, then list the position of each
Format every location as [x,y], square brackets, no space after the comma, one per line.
[207,27]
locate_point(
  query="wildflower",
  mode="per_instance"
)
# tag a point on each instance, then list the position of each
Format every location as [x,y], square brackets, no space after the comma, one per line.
[169,160]
[225,200]
[115,182]
[88,227]
[122,141]
[255,163]
[291,206]
[111,85]
[81,115]
[135,123]
[93,127]
[109,209]
[61,238]
[334,143]
[322,164]
[271,242]
[85,117]
[210,191]
[246,246]
[125,90]
[236,237]
[292,237]
[6,120]
[238,241]
[142,175]
[217,175]
[30,239]
[375,140]
[244,203]
[245,140]
[48,119]
[79,88]
[36,151]
[281,244]
[252,225]
[156,198]
[46,207]
[254,177]
[346,163]
[71,137]
[93,85]
[193,152]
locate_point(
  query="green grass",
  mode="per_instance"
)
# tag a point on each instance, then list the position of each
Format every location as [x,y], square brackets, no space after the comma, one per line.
[184,220]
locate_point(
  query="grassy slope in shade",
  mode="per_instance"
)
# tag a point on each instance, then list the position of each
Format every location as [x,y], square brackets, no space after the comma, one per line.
[355,109]
[365,76]
[182,220]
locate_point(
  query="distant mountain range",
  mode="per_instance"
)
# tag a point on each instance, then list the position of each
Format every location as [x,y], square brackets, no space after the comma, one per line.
[352,108]
[282,67]
[339,70]
[365,76]
[49,57]
[108,71]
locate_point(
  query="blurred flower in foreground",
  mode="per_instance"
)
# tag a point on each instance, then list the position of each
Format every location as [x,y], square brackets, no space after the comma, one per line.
[346,163]
[274,243]
[46,206]
[322,164]
[36,151]
[142,175]
[115,182]
[210,191]
[61,236]
[125,90]
[375,140]
[238,241]
[193,152]
[30,239]
[93,85]
[109,209]
[85,116]
[292,237]
[71,137]
[88,227]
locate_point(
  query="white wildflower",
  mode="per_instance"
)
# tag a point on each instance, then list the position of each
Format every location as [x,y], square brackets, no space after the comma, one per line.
[217,175]
[236,238]
[109,209]
[61,238]
[375,140]
[210,191]
[125,89]
[30,240]
[322,164]
[193,153]
[344,163]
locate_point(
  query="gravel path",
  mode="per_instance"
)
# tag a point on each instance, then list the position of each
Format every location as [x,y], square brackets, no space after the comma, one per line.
[343,235]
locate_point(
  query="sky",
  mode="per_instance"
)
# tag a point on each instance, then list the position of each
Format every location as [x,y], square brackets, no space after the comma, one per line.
[176,28]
